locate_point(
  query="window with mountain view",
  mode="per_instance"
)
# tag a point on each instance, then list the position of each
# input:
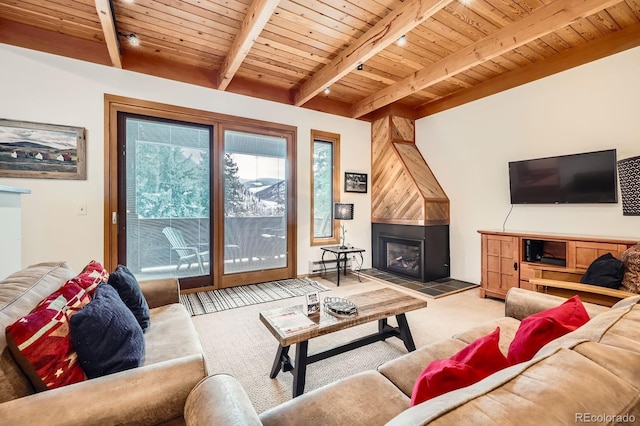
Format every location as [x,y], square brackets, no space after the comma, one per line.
[325,188]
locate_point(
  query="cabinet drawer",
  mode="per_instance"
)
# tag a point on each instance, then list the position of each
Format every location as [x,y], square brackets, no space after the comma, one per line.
[586,252]
[526,272]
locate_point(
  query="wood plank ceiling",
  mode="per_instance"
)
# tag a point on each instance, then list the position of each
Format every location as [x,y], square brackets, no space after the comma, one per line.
[290,51]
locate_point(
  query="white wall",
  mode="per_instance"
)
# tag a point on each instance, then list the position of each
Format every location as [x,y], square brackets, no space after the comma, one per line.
[589,108]
[50,89]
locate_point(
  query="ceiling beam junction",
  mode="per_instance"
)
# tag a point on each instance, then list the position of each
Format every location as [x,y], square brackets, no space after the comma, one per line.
[545,20]
[396,24]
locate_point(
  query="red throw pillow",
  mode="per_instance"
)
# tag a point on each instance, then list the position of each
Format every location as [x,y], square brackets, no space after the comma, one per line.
[41,343]
[537,330]
[474,362]
[92,275]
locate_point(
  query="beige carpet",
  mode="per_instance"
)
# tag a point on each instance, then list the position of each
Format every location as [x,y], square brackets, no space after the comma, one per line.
[237,343]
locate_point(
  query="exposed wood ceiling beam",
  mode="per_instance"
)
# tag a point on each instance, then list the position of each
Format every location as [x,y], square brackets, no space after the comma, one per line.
[257,16]
[103,7]
[617,42]
[545,20]
[397,23]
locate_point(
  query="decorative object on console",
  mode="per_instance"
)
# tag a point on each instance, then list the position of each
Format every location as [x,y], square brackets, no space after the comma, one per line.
[355,182]
[44,151]
[343,211]
[629,175]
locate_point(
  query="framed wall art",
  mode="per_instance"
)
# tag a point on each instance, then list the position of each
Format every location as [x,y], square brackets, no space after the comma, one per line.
[46,151]
[355,182]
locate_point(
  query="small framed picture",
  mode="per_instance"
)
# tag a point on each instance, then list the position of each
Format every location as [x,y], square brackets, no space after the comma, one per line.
[313,303]
[355,182]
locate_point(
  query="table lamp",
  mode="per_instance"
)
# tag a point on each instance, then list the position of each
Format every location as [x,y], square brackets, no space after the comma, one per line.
[343,211]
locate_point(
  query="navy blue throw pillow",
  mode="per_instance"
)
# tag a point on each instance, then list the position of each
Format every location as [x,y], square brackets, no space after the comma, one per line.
[129,290]
[605,271]
[106,335]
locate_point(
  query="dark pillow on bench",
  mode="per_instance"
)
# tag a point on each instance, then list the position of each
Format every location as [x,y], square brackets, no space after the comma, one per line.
[605,271]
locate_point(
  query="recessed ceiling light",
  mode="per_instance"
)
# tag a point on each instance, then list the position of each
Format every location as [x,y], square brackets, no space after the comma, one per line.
[402,40]
[131,38]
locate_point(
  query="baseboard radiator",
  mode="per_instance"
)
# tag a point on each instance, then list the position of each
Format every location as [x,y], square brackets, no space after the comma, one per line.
[317,267]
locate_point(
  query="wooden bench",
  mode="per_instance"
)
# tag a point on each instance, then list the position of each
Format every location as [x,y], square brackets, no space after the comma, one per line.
[566,283]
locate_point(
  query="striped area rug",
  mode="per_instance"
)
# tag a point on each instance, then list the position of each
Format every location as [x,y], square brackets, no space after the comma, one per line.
[206,302]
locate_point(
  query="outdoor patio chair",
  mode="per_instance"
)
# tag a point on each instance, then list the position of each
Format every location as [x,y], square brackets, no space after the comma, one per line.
[186,253]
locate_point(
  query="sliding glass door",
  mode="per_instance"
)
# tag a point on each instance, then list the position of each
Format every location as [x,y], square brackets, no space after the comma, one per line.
[205,198]
[255,202]
[165,197]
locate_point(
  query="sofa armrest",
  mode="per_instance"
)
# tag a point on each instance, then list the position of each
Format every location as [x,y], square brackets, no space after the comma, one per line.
[161,292]
[219,400]
[146,395]
[521,303]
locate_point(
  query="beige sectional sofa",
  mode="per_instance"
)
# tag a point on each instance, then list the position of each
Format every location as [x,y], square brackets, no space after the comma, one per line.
[591,375]
[154,393]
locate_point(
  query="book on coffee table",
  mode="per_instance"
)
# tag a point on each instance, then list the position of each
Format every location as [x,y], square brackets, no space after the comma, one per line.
[292,322]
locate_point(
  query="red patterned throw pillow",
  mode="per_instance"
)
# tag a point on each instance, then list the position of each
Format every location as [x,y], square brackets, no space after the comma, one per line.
[41,342]
[92,275]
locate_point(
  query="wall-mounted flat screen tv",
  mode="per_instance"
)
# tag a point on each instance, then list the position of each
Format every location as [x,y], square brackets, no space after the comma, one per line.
[588,177]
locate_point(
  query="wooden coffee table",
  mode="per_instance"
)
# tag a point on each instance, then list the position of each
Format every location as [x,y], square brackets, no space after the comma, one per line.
[376,305]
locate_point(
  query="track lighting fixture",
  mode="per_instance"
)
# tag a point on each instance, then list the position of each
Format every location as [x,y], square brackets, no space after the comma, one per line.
[360,67]
[327,90]
[402,40]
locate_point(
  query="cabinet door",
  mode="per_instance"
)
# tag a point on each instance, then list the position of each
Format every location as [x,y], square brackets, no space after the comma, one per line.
[499,264]
[587,251]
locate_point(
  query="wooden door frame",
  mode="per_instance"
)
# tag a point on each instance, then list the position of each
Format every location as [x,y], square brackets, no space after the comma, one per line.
[114,104]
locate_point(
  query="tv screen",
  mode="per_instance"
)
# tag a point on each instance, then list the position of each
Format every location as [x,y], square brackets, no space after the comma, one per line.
[589,177]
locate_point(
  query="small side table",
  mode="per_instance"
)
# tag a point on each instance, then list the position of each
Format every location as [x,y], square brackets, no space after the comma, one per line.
[341,254]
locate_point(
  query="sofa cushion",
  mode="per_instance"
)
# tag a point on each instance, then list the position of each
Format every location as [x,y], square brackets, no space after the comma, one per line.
[127,286]
[508,328]
[537,330]
[41,343]
[473,363]
[106,335]
[366,398]
[404,371]
[550,389]
[20,293]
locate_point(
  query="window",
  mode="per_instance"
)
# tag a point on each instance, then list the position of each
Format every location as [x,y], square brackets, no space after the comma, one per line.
[325,186]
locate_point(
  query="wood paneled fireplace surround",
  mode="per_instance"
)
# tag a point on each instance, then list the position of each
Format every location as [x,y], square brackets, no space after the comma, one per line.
[409,209]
